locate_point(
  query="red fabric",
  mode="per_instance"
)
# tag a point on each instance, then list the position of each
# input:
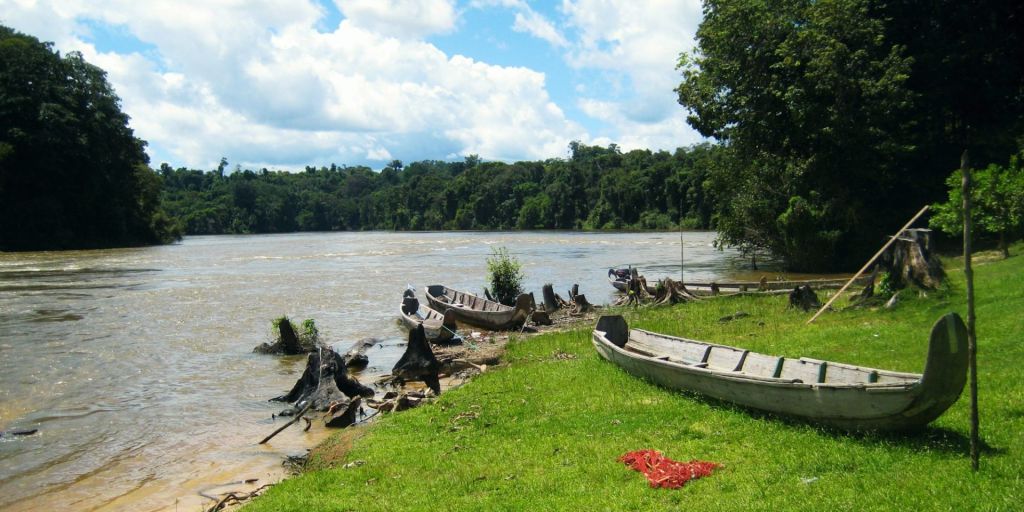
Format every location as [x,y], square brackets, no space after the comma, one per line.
[664,472]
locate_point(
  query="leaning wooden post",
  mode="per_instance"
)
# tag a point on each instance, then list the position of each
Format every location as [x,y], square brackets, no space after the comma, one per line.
[972,341]
[868,264]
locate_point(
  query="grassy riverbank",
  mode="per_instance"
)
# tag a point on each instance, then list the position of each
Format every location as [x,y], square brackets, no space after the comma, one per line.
[543,432]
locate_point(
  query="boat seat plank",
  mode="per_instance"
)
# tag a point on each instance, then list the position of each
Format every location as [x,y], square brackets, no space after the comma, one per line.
[797,369]
[761,365]
[725,358]
[688,352]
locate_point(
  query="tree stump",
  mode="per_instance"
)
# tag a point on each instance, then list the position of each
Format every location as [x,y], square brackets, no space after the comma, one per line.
[911,260]
[323,383]
[418,362]
[356,357]
[672,292]
[550,301]
[803,297]
[288,343]
[343,415]
[580,305]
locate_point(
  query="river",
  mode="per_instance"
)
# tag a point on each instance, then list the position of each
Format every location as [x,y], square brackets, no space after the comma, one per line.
[136,365]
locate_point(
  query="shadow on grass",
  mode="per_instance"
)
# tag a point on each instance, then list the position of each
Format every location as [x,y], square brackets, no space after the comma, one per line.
[929,438]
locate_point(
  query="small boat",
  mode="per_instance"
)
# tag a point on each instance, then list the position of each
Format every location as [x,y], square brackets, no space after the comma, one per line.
[619,279]
[438,327]
[835,394]
[470,309]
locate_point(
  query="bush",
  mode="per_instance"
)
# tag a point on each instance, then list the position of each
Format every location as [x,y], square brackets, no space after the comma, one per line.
[506,276]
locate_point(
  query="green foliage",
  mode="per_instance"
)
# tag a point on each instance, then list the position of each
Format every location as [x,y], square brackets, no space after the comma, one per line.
[309,331]
[531,435]
[836,115]
[505,275]
[886,285]
[308,335]
[997,202]
[598,188]
[72,173]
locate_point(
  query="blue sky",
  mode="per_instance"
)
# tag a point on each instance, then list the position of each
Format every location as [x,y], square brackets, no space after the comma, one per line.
[288,83]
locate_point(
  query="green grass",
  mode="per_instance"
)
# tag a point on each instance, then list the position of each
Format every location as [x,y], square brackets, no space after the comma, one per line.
[544,431]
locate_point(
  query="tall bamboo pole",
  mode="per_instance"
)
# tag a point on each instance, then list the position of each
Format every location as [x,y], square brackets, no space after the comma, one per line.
[868,264]
[972,340]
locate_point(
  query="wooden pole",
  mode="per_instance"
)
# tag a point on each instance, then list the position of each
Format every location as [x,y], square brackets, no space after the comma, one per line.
[972,341]
[681,250]
[868,264]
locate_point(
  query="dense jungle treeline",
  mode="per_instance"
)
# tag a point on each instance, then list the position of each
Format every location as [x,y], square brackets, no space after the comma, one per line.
[596,188]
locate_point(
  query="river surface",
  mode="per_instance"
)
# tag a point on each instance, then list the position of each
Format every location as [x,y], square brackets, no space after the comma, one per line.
[136,365]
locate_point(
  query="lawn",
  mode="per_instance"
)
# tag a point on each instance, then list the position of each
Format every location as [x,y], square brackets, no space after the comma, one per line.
[543,431]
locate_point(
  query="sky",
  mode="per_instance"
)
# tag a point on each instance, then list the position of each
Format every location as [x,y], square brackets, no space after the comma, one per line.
[287,83]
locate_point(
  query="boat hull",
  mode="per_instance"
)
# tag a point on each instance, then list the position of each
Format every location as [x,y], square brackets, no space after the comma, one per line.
[478,311]
[897,401]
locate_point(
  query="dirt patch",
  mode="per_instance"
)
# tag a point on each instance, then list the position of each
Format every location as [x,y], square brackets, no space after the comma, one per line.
[334,450]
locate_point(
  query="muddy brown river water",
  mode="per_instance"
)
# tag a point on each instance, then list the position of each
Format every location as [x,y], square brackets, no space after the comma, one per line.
[136,365]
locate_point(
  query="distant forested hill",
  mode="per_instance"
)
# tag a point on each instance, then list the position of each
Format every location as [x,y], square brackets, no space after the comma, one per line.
[596,188]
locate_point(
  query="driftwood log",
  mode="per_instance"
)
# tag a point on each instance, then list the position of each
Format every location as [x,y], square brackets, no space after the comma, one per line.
[418,362]
[323,384]
[395,402]
[803,297]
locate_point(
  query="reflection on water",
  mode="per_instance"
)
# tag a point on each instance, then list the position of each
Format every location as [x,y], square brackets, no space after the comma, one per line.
[136,365]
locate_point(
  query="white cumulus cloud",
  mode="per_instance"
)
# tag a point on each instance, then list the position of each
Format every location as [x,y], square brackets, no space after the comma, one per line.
[256,82]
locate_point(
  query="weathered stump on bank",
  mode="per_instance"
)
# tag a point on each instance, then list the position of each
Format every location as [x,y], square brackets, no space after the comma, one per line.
[803,297]
[672,292]
[911,260]
[323,384]
[342,415]
[550,299]
[418,362]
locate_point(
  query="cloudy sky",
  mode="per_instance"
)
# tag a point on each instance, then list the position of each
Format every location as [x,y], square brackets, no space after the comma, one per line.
[286,83]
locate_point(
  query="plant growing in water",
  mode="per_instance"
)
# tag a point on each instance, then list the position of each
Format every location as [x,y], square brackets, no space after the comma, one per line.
[506,276]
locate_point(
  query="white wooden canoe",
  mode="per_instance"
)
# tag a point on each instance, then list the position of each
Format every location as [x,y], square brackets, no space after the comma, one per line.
[836,394]
[473,310]
[437,327]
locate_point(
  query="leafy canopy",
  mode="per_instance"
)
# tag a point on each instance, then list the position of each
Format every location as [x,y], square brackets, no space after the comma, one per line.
[997,202]
[837,115]
[72,173]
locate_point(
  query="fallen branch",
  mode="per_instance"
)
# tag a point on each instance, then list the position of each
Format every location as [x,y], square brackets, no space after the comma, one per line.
[286,425]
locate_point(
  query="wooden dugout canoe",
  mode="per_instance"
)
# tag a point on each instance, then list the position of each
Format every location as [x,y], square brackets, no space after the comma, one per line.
[470,309]
[835,394]
[437,327]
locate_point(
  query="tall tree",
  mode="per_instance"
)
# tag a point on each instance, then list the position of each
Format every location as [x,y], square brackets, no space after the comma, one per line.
[72,173]
[809,99]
